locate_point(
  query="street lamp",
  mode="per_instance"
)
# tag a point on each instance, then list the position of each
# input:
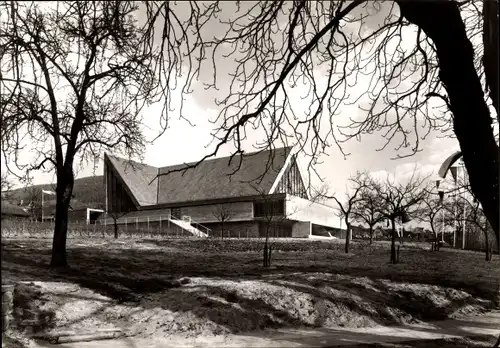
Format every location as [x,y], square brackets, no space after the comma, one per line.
[463,193]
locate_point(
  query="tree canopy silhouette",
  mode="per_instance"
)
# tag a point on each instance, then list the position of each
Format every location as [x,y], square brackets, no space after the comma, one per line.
[74,79]
[423,55]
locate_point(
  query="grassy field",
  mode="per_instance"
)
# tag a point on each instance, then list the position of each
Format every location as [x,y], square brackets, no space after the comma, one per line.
[211,287]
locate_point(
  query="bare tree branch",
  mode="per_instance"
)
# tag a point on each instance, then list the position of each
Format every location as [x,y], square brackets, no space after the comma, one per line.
[74,80]
[401,200]
[358,184]
[223,213]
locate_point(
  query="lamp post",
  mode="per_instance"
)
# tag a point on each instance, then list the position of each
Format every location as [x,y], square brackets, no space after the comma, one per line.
[464,220]
[455,222]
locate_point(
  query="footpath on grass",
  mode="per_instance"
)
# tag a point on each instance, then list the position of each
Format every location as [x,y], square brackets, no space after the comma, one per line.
[468,326]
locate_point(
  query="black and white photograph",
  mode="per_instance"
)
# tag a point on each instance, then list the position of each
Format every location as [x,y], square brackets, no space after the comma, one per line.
[250,174]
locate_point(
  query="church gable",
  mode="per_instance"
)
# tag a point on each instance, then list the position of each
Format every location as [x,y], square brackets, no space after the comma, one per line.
[291,182]
[118,199]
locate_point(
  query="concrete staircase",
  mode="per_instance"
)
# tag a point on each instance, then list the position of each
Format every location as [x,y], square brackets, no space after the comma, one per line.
[186,225]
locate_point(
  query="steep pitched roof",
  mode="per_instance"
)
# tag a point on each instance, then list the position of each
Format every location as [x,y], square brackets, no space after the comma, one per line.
[137,177]
[210,180]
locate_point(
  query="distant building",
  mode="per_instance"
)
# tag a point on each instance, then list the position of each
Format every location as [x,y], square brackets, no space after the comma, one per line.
[266,181]
[12,211]
[78,212]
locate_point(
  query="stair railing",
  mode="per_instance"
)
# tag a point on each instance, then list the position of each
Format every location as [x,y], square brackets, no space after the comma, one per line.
[187,219]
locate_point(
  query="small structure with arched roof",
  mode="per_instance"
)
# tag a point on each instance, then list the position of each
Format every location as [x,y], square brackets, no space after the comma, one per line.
[448,163]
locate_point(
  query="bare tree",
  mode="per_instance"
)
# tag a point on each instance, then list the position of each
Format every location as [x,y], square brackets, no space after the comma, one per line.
[279,45]
[357,183]
[223,213]
[6,187]
[473,214]
[115,216]
[74,79]
[273,211]
[368,209]
[319,193]
[431,206]
[33,196]
[453,213]
[456,215]
[400,201]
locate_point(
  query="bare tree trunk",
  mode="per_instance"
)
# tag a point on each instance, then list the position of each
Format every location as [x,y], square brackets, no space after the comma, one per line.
[347,237]
[487,242]
[265,254]
[266,249]
[64,190]
[371,234]
[442,22]
[269,254]
[498,245]
[116,229]
[435,246]
[222,230]
[393,242]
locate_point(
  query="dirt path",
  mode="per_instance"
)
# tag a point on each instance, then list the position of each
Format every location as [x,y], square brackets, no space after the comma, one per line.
[485,324]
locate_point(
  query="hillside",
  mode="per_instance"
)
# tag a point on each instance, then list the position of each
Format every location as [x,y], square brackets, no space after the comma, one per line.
[89,189]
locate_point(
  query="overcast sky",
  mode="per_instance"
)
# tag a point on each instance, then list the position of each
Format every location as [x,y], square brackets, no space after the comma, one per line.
[183,142]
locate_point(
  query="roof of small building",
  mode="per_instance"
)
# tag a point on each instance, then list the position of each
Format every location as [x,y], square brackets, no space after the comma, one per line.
[11,209]
[216,178]
[49,206]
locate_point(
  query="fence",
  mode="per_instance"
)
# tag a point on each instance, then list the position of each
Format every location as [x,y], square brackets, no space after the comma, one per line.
[101,229]
[133,227]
